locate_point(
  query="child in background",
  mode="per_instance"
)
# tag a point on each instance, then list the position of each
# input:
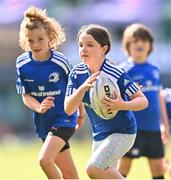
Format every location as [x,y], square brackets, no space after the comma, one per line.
[138,42]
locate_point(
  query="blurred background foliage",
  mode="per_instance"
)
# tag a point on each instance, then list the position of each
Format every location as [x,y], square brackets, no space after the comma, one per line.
[15,118]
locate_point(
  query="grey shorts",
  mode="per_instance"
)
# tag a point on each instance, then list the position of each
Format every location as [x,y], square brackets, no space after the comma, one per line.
[107,152]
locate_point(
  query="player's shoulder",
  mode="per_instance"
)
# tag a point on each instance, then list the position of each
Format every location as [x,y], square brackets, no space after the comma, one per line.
[111,68]
[153,66]
[80,68]
[59,57]
[23,59]
[62,60]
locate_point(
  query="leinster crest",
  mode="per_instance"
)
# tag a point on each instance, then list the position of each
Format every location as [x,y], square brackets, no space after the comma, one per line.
[54,77]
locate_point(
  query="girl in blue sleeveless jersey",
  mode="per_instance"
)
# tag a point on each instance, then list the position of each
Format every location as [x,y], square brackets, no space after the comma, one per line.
[42,74]
[111,138]
[138,44]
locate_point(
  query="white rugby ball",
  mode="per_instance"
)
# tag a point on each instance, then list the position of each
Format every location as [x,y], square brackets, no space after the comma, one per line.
[105,85]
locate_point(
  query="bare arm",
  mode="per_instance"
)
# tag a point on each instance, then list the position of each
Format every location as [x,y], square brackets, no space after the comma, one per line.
[138,102]
[164,119]
[73,101]
[81,117]
[35,105]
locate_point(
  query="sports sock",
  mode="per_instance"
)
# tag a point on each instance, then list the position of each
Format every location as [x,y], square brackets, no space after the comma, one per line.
[123,175]
[158,177]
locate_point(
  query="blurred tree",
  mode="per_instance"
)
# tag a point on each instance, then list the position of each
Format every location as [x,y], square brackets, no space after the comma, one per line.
[166,21]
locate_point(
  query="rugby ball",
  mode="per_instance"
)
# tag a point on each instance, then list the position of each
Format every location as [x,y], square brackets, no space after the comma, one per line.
[105,85]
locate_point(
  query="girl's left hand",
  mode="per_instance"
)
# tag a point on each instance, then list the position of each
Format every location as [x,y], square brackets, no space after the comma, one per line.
[113,104]
[88,83]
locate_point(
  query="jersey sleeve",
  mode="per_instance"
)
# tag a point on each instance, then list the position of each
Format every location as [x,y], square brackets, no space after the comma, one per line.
[72,83]
[21,86]
[62,61]
[68,66]
[127,86]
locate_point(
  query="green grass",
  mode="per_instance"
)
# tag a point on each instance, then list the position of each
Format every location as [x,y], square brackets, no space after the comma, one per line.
[18,160]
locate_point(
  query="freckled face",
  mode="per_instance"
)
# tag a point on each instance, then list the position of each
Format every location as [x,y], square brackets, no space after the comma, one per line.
[39,43]
[90,51]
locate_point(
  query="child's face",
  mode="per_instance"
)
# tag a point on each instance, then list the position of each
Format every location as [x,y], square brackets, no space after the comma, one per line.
[139,49]
[90,51]
[39,43]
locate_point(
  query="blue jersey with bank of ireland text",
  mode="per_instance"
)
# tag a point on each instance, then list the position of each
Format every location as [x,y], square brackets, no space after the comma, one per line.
[148,76]
[42,79]
[124,122]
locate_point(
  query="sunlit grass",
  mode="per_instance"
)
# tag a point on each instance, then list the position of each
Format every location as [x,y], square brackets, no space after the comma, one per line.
[18,160]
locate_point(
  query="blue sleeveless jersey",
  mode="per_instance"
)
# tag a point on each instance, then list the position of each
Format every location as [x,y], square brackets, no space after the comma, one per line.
[148,76]
[42,79]
[124,122]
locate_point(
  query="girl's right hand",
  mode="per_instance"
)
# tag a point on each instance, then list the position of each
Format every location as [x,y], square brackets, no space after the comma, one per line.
[46,104]
[88,83]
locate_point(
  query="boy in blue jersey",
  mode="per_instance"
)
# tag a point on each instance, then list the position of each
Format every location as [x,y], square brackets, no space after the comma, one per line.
[112,138]
[42,75]
[138,44]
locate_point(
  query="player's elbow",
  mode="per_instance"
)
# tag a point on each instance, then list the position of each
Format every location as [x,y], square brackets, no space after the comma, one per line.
[144,103]
[68,112]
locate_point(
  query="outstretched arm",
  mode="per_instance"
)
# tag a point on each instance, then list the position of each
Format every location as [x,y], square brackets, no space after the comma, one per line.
[73,101]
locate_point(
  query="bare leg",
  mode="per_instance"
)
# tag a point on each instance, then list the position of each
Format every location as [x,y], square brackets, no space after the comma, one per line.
[124,165]
[66,164]
[109,173]
[156,166]
[48,154]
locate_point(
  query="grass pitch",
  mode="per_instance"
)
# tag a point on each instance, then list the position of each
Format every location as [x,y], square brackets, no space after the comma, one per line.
[18,160]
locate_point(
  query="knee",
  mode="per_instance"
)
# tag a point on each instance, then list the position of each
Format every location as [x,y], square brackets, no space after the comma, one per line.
[67,175]
[44,161]
[90,171]
[69,172]
[70,175]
